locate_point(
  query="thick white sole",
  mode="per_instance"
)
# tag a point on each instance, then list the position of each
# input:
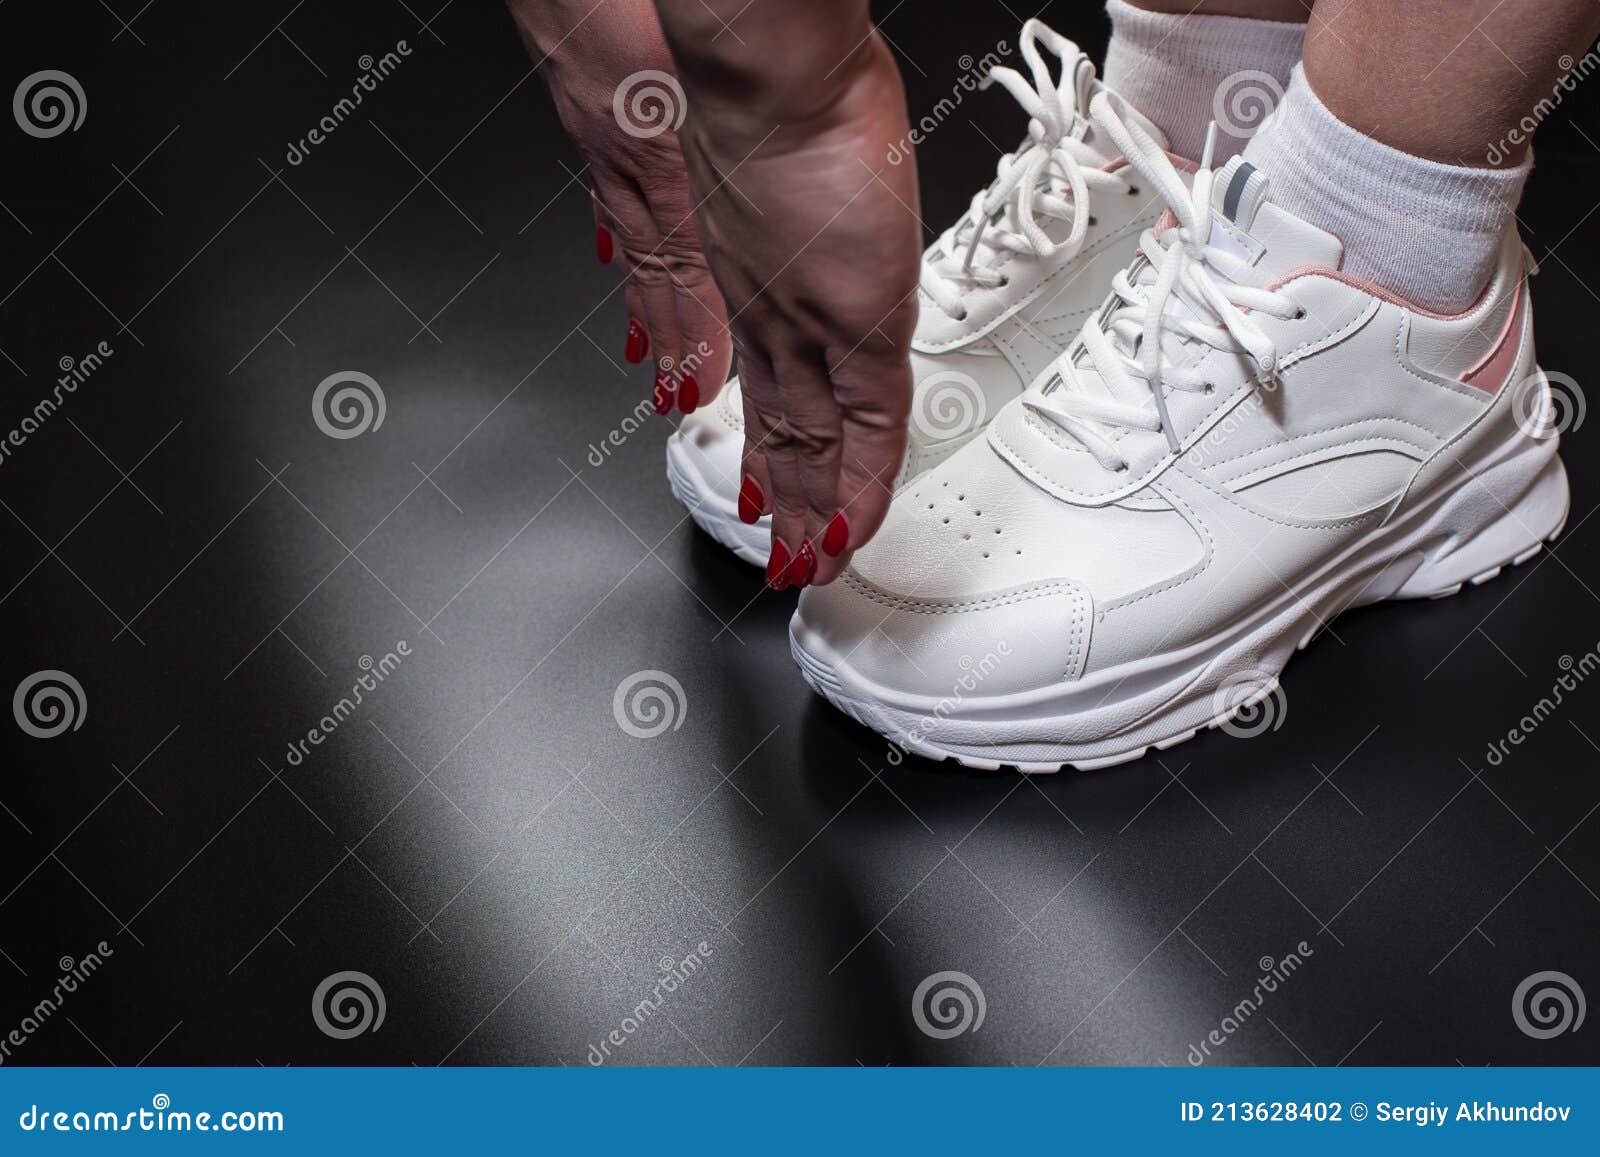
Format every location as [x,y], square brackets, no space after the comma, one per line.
[713,511]
[1499,517]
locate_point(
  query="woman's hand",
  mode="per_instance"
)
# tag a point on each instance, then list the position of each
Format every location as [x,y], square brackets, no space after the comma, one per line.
[610,75]
[815,241]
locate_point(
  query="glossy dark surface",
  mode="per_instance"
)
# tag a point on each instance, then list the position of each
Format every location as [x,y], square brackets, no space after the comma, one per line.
[480,836]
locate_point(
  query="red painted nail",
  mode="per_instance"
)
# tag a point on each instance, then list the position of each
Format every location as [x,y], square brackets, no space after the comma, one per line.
[777,564]
[661,396]
[638,342]
[837,534]
[803,566]
[688,394]
[603,249]
[751,500]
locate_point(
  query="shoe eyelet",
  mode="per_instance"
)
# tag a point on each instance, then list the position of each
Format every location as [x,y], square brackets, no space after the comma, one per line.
[1209,388]
[1005,280]
[1093,220]
[1133,190]
[1300,314]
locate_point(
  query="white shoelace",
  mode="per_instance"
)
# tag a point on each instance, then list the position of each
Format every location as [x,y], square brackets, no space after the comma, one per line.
[1005,217]
[1181,285]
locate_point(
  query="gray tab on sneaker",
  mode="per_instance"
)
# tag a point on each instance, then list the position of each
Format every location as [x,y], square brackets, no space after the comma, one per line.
[1241,188]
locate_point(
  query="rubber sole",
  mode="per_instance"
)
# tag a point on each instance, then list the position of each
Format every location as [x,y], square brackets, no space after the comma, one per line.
[1230,680]
[712,511]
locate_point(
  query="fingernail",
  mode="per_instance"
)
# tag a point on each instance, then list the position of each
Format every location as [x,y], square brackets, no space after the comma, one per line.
[777,564]
[661,396]
[638,342]
[751,500]
[688,394]
[837,534]
[603,248]
[803,566]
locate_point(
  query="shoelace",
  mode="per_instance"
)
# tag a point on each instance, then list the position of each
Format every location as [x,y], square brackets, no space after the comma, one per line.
[1180,285]
[1006,214]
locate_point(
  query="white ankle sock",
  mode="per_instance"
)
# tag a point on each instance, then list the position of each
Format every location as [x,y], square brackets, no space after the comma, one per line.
[1426,231]
[1183,72]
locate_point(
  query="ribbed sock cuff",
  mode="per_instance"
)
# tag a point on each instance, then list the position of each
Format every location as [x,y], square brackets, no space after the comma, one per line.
[1184,71]
[1427,231]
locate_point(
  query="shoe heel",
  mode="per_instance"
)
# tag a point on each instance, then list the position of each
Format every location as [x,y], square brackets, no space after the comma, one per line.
[1498,518]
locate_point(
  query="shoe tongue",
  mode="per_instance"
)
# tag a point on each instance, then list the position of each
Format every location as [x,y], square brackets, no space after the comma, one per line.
[1273,240]
[1270,240]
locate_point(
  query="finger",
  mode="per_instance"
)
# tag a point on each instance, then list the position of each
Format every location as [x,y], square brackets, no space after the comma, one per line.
[803,462]
[762,414]
[671,276]
[875,394]
[605,242]
[653,329]
[707,345]
[652,312]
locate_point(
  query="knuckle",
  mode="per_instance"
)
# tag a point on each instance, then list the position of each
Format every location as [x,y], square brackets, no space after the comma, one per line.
[809,441]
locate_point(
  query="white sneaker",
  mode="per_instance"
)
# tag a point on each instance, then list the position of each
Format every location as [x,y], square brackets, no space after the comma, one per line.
[1115,567]
[1003,292]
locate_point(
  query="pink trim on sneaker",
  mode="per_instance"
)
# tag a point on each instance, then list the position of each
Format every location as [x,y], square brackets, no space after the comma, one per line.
[1381,293]
[1495,370]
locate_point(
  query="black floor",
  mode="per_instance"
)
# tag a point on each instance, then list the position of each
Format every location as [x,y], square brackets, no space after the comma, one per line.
[481,837]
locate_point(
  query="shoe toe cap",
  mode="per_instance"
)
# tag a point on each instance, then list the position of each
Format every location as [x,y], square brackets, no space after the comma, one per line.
[990,644]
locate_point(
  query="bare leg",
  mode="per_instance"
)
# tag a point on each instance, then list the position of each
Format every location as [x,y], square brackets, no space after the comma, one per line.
[1406,136]
[1446,79]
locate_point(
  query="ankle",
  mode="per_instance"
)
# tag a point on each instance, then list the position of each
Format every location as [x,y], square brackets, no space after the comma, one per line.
[1426,231]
